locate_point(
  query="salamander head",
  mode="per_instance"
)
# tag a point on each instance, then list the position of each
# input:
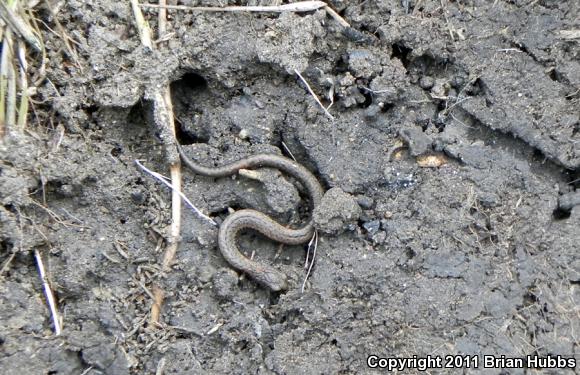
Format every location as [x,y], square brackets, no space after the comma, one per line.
[273,280]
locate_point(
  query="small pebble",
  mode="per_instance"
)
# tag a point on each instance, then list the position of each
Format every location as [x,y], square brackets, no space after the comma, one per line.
[372,226]
[426,82]
[138,197]
[366,203]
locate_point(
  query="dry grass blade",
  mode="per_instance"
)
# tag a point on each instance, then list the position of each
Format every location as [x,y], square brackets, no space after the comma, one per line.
[181,195]
[7,262]
[19,26]
[158,296]
[298,7]
[314,95]
[48,293]
[162,19]
[39,73]
[301,6]
[142,25]
[4,66]
[15,91]
[23,82]
[7,84]
[64,36]
[336,16]
[165,122]
[313,244]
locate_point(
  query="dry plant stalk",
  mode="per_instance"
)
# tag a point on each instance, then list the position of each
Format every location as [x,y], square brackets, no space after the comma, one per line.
[297,7]
[158,297]
[7,84]
[314,95]
[301,6]
[4,66]
[175,171]
[14,88]
[163,115]
[64,36]
[48,293]
[163,180]
[23,81]
[312,245]
[142,25]
[9,14]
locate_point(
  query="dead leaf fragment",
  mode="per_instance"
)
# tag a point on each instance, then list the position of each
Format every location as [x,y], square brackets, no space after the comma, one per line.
[431,160]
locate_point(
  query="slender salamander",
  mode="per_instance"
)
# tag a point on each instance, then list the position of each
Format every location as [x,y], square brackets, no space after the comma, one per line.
[243,219]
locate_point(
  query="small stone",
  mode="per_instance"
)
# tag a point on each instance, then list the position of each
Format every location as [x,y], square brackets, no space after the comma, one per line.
[372,226]
[488,200]
[138,197]
[385,224]
[66,190]
[458,82]
[347,80]
[426,82]
[243,134]
[440,88]
[366,203]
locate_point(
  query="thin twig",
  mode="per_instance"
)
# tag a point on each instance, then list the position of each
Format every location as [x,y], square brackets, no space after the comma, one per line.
[48,293]
[64,36]
[145,289]
[117,245]
[336,16]
[176,196]
[301,6]
[164,179]
[157,297]
[4,63]
[11,92]
[23,108]
[112,260]
[142,25]
[162,19]
[298,7]
[164,120]
[7,263]
[176,178]
[288,151]
[7,85]
[314,95]
[313,240]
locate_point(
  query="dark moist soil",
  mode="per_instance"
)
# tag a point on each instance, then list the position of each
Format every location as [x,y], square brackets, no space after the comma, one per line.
[476,256]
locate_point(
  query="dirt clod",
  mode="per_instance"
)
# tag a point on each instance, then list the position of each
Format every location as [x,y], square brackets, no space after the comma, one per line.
[337,212]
